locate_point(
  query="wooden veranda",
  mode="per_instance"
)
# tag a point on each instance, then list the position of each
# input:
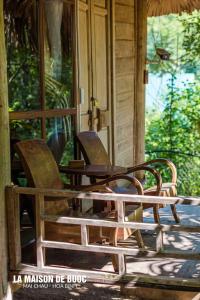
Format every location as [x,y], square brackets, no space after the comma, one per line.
[107,44]
[190,282]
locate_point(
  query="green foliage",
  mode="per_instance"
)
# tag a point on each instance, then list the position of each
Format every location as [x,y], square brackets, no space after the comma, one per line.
[23,79]
[175,134]
[180,36]
[167,33]
[191,33]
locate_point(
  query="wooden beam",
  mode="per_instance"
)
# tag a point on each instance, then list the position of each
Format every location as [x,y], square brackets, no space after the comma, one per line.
[120,250]
[120,224]
[13,222]
[33,114]
[4,156]
[110,196]
[91,275]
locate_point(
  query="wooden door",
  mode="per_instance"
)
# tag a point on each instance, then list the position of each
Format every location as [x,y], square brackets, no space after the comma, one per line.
[94,68]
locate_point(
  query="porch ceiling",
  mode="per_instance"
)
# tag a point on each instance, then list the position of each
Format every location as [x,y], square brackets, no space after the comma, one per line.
[165,7]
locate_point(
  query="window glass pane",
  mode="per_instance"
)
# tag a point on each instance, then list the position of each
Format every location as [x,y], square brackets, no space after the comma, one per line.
[60,132]
[22,54]
[58,49]
[25,129]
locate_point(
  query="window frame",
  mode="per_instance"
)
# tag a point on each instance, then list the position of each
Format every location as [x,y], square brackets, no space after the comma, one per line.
[43,114]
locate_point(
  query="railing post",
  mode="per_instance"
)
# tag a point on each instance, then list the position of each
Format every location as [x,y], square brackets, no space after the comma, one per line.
[13,222]
[40,230]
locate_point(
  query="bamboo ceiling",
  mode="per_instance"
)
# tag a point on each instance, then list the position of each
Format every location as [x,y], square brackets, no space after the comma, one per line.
[165,7]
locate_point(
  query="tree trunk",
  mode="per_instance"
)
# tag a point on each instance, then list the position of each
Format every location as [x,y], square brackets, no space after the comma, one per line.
[54,11]
[4,157]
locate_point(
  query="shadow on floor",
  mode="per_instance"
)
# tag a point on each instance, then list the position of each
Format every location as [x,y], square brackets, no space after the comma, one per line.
[88,291]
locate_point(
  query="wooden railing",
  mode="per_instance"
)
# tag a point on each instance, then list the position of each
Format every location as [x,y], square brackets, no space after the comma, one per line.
[16,266]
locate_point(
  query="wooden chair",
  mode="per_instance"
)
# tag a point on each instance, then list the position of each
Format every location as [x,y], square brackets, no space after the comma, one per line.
[42,172]
[94,153]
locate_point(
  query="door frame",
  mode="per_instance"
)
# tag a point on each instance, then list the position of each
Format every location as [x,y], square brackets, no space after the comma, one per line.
[140,67]
[111,73]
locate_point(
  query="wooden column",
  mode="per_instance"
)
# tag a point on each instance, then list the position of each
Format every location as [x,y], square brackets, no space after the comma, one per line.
[4,156]
[124,81]
[140,56]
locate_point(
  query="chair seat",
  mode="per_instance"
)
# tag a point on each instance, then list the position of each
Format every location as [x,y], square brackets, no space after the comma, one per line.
[125,190]
[168,189]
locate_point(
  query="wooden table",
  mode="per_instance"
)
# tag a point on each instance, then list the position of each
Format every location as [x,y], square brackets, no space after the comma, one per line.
[97,171]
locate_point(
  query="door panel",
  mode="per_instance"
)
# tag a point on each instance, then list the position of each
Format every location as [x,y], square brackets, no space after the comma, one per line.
[84,62]
[94,68]
[100,61]
[94,71]
[101,3]
[101,69]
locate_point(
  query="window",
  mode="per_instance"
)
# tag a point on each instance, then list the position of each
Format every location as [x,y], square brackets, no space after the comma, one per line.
[40,40]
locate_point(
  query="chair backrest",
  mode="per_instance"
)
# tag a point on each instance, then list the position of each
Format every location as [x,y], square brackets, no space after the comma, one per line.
[92,148]
[56,143]
[39,164]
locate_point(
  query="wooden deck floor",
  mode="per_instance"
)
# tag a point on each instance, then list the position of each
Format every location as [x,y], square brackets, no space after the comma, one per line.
[189,215]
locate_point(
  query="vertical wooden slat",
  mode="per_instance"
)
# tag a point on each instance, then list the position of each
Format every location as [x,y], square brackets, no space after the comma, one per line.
[159,240]
[113,84]
[41,53]
[122,267]
[76,93]
[39,230]
[120,211]
[109,76]
[120,218]
[42,65]
[74,9]
[84,235]
[13,223]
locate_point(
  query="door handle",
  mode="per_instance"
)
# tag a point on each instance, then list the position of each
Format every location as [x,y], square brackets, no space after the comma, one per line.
[95,102]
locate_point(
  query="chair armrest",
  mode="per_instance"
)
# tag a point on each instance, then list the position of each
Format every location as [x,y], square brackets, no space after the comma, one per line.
[154,172]
[168,163]
[103,185]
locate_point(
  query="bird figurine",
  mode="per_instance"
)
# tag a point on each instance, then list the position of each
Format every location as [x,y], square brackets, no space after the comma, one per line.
[163,54]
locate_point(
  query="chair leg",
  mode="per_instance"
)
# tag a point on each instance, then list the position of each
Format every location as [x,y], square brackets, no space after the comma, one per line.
[174,212]
[156,214]
[115,262]
[139,239]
